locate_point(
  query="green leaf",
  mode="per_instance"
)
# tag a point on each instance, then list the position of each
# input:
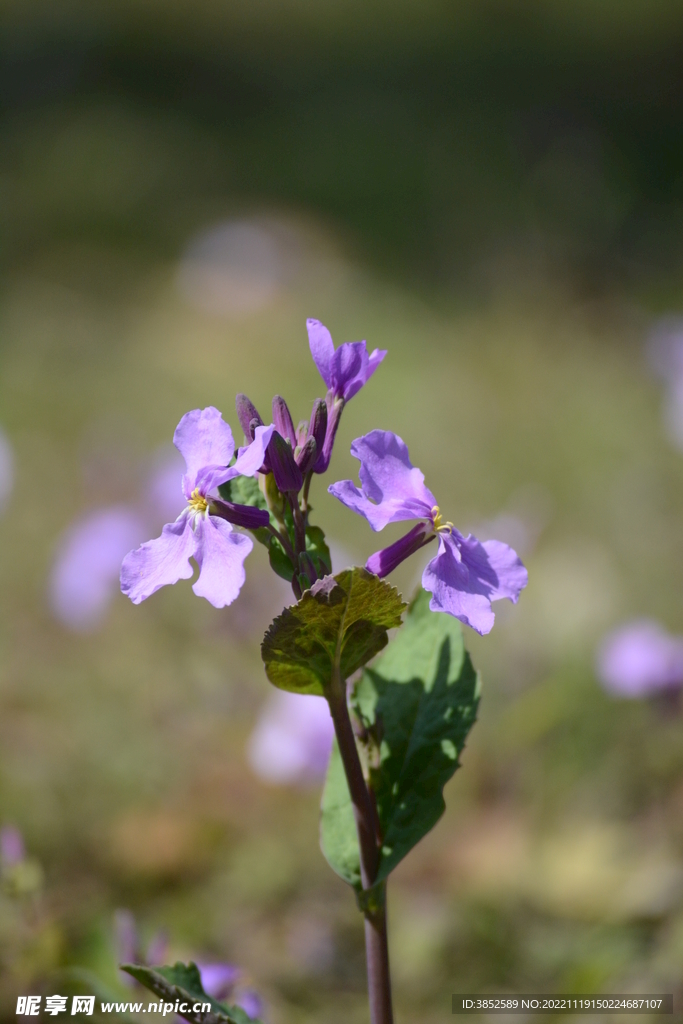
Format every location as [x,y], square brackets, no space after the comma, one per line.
[243,490]
[343,617]
[183,982]
[318,550]
[417,704]
[279,561]
[338,836]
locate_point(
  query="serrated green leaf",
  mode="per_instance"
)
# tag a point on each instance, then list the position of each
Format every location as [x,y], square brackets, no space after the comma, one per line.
[183,982]
[417,703]
[338,836]
[342,619]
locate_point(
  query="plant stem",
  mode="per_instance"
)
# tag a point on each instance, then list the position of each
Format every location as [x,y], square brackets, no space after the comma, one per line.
[377,958]
[367,824]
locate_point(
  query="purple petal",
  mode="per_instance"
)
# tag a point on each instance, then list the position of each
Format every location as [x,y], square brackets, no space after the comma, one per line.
[159,562]
[251,1003]
[220,555]
[203,439]
[335,407]
[11,846]
[247,463]
[291,742]
[368,366]
[126,938]
[347,363]
[389,478]
[86,571]
[218,980]
[246,414]
[385,561]
[322,348]
[640,658]
[465,576]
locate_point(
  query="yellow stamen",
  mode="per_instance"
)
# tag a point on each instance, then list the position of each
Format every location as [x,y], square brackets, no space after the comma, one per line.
[438,523]
[197,501]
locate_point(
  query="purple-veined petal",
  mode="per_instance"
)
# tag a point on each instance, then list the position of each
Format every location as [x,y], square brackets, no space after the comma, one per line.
[385,561]
[368,366]
[204,439]
[386,471]
[388,477]
[247,463]
[640,658]
[159,562]
[498,565]
[466,575]
[346,364]
[322,348]
[292,740]
[454,590]
[220,555]
[85,574]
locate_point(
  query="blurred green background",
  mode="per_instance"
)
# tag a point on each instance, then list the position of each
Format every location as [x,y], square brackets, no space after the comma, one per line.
[494,193]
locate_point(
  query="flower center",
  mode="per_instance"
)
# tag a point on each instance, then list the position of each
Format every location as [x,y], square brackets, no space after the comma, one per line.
[438,523]
[197,502]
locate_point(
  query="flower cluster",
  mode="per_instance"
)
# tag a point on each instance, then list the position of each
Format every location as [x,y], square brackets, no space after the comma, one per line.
[265,489]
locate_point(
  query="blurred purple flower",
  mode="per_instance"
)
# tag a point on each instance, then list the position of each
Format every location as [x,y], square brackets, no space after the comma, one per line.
[639,659]
[86,572]
[345,371]
[218,980]
[129,947]
[6,469]
[251,1003]
[466,575]
[204,529]
[12,850]
[292,740]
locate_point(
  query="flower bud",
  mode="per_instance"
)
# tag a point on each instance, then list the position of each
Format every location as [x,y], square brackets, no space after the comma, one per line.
[302,434]
[385,561]
[335,407]
[283,420]
[318,423]
[305,456]
[248,516]
[246,414]
[288,476]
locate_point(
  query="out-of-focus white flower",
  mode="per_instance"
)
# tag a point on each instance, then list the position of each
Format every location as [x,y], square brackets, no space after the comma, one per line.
[233,269]
[291,742]
[665,356]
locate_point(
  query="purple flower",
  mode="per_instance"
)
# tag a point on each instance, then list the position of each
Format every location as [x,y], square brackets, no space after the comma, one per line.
[12,849]
[292,740]
[640,658]
[345,371]
[6,470]
[466,575]
[204,529]
[218,980]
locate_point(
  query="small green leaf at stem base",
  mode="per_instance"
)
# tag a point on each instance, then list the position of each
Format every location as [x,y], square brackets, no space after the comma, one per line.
[183,982]
[416,705]
[342,619]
